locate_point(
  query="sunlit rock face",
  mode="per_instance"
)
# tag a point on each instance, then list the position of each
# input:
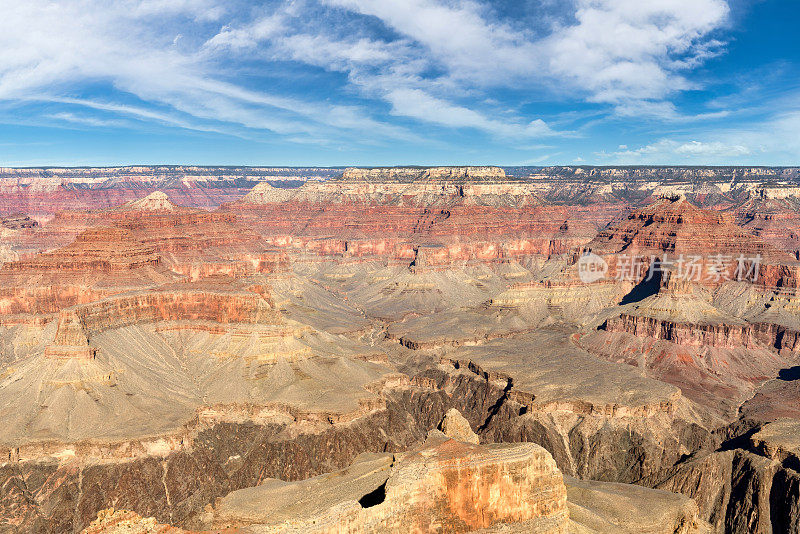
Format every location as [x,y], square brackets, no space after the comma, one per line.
[424,173]
[432,216]
[444,486]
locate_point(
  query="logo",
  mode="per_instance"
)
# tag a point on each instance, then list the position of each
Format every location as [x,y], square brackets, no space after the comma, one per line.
[591,268]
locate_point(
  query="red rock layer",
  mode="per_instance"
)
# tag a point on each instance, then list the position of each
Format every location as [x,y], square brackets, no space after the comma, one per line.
[672,228]
[197,303]
[189,241]
[112,521]
[17,221]
[776,221]
[98,249]
[749,335]
[456,233]
[44,204]
[22,297]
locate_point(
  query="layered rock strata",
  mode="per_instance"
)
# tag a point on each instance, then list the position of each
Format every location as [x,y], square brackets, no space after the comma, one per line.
[706,244]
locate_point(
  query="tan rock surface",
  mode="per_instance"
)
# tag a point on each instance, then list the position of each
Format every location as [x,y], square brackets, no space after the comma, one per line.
[455,426]
[444,486]
[607,507]
[112,521]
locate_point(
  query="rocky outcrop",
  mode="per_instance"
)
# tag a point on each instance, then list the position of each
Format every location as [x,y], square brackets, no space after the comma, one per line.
[675,233]
[100,262]
[193,242]
[773,219]
[42,192]
[417,188]
[681,312]
[446,485]
[629,509]
[98,249]
[112,521]
[17,221]
[155,201]
[240,450]
[779,192]
[708,335]
[455,426]
[177,304]
[440,223]
[686,334]
[739,491]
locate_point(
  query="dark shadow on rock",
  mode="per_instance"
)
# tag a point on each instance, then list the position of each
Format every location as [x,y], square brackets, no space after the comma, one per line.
[643,289]
[374,497]
[792,373]
[785,490]
[741,441]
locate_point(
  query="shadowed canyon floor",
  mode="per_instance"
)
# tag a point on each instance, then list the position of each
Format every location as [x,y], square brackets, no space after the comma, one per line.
[404,349]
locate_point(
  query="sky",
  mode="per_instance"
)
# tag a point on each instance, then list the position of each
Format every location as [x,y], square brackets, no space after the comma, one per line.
[393,82]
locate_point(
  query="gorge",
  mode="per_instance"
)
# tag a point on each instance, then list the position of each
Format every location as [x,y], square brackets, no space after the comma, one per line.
[399,349]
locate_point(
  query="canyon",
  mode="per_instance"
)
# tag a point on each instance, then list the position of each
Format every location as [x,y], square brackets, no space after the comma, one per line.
[404,349]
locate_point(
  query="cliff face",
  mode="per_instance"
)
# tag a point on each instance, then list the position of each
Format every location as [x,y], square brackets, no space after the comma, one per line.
[178,304]
[713,335]
[447,220]
[99,262]
[44,191]
[746,489]
[446,485]
[423,173]
[773,219]
[674,225]
[17,221]
[97,249]
[416,191]
[188,241]
[41,192]
[765,335]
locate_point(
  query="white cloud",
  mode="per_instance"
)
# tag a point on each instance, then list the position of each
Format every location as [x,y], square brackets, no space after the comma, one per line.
[668,151]
[712,149]
[775,140]
[422,106]
[629,50]
[86,120]
[437,67]
[458,35]
[622,52]
[49,50]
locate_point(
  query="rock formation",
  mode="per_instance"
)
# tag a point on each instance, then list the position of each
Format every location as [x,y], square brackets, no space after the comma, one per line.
[455,426]
[112,521]
[706,244]
[774,220]
[389,174]
[97,249]
[444,486]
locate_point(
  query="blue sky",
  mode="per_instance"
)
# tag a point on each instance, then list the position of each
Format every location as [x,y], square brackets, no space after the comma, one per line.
[390,82]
